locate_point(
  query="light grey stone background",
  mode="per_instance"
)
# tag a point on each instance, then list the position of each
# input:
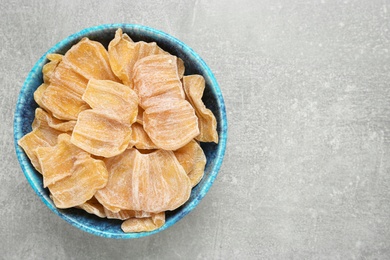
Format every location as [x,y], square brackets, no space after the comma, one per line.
[307,89]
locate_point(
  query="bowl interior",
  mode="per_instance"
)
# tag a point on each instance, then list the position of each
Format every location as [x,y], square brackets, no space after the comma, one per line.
[25,109]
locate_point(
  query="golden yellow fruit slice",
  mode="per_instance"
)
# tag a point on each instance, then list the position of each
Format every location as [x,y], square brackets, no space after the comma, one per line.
[62,103]
[93,206]
[59,161]
[121,54]
[156,79]
[114,99]
[42,135]
[30,142]
[100,135]
[144,224]
[63,96]
[89,175]
[38,94]
[126,214]
[49,68]
[64,76]
[89,59]
[152,182]
[118,192]
[193,160]
[159,183]
[180,67]
[140,139]
[43,116]
[171,124]
[144,49]
[194,86]
[124,53]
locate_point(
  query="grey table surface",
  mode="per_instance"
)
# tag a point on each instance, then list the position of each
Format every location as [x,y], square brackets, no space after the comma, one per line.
[307,168]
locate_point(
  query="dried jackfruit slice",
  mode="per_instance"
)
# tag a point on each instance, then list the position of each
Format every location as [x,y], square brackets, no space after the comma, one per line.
[93,206]
[89,175]
[94,132]
[145,49]
[193,160]
[38,94]
[126,214]
[59,161]
[114,99]
[144,224]
[172,124]
[122,214]
[63,103]
[118,192]
[140,139]
[49,68]
[43,116]
[63,96]
[66,77]
[30,142]
[160,183]
[42,135]
[124,53]
[152,182]
[180,68]
[120,54]
[156,78]
[89,59]
[194,86]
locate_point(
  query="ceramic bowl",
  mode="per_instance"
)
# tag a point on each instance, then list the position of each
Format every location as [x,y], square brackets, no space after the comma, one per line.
[212,98]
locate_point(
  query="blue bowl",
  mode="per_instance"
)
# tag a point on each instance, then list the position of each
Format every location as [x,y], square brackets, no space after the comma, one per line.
[24,116]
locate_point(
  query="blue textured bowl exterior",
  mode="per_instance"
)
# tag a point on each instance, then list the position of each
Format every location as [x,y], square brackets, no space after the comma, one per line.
[25,109]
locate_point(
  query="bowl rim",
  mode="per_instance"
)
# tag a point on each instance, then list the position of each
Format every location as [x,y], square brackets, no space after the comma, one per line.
[28,170]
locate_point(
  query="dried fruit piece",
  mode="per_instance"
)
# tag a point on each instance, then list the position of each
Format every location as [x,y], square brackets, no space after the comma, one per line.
[156,79]
[194,86]
[193,160]
[152,182]
[114,99]
[159,182]
[64,76]
[59,161]
[43,116]
[118,191]
[63,96]
[144,49]
[30,142]
[93,206]
[89,175]
[89,59]
[171,125]
[124,53]
[63,103]
[140,139]
[42,135]
[126,214]
[122,214]
[180,68]
[144,224]
[94,132]
[120,54]
[38,94]
[49,68]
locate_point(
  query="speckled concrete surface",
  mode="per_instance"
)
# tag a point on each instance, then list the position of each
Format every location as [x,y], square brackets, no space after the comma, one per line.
[307,169]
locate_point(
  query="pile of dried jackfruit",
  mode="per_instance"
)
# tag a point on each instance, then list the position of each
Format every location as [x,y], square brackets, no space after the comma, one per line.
[117,131]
